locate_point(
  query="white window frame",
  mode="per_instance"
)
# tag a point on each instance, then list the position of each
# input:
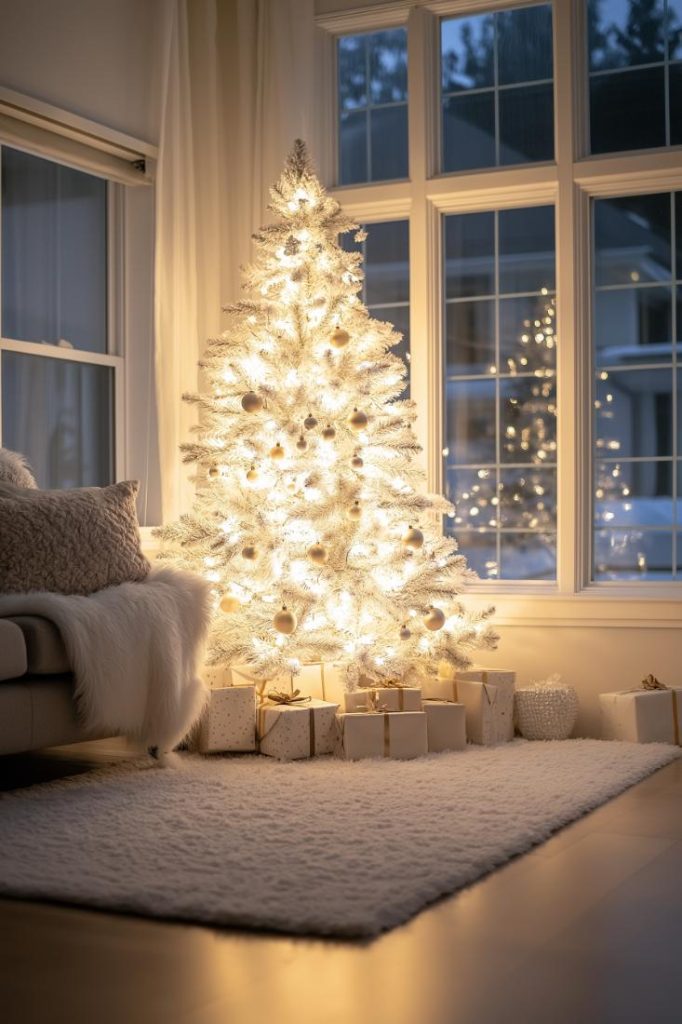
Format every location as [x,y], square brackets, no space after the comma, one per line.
[569,182]
[51,133]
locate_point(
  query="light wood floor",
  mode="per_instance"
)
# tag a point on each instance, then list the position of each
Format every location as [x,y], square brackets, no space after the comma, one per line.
[586,929]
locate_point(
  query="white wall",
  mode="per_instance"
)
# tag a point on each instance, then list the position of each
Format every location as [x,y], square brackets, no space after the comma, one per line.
[96,58]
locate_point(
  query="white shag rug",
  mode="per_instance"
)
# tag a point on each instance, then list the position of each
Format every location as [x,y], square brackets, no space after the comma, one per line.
[320,847]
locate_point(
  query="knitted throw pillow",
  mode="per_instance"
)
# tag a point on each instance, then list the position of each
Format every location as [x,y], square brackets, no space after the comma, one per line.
[69,542]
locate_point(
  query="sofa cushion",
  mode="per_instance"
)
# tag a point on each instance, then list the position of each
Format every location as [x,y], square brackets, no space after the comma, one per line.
[45,651]
[69,542]
[13,656]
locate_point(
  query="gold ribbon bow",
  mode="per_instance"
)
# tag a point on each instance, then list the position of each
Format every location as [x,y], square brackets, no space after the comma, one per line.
[282,697]
[392,684]
[650,682]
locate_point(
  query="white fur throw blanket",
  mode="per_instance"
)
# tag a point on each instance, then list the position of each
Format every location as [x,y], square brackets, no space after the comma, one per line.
[134,650]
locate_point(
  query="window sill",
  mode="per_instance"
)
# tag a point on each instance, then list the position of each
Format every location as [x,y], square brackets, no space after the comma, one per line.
[657,607]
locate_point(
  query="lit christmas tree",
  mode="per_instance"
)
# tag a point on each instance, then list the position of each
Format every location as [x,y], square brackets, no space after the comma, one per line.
[310,518]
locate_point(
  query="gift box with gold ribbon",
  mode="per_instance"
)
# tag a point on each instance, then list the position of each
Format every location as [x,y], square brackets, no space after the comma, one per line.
[650,713]
[392,696]
[228,722]
[395,734]
[445,725]
[292,726]
[488,696]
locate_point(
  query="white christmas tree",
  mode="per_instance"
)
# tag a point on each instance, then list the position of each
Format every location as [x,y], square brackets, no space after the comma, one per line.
[310,517]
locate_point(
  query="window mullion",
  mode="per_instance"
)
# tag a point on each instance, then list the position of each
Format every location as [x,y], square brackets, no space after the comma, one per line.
[426,365]
[572,396]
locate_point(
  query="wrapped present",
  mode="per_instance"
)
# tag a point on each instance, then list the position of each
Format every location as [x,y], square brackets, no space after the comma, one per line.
[228,722]
[445,725]
[392,697]
[649,714]
[291,726]
[396,734]
[439,688]
[320,680]
[488,696]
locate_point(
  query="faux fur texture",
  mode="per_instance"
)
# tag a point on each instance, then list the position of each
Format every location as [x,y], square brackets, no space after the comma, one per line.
[323,846]
[15,470]
[69,542]
[135,652]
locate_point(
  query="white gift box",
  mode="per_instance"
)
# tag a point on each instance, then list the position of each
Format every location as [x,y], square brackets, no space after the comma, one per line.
[290,732]
[438,688]
[445,725]
[388,698]
[488,695]
[642,716]
[319,680]
[395,734]
[228,722]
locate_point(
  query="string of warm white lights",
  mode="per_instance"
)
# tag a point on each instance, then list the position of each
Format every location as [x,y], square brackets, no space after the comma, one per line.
[310,518]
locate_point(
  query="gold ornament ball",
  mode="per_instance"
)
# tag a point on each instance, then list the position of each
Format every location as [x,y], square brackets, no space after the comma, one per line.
[340,338]
[285,621]
[277,452]
[354,512]
[251,402]
[250,552]
[356,462]
[329,432]
[213,472]
[318,554]
[301,444]
[413,539]
[309,422]
[229,604]
[357,420]
[252,475]
[435,619]
[405,633]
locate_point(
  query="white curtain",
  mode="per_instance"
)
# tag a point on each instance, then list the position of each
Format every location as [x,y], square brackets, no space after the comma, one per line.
[238,88]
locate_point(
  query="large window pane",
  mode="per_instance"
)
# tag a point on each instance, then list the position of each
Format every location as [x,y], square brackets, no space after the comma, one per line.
[54,253]
[627,110]
[526,238]
[59,414]
[496,88]
[469,131]
[470,336]
[634,90]
[636,479]
[372,99]
[526,118]
[500,400]
[470,255]
[470,431]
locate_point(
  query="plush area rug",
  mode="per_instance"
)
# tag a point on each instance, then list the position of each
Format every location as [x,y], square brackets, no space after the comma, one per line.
[320,847]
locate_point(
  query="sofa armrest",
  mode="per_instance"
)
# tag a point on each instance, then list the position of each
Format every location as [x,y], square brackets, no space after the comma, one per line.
[13,657]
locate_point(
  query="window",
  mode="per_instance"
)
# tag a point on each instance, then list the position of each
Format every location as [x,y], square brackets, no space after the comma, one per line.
[386,265]
[545,308]
[635,63]
[499,459]
[636,332]
[372,97]
[496,88]
[58,377]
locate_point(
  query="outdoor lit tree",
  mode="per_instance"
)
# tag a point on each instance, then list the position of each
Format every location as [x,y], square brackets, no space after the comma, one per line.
[310,517]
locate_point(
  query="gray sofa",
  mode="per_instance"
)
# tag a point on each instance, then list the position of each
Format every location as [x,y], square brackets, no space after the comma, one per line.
[37,708]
